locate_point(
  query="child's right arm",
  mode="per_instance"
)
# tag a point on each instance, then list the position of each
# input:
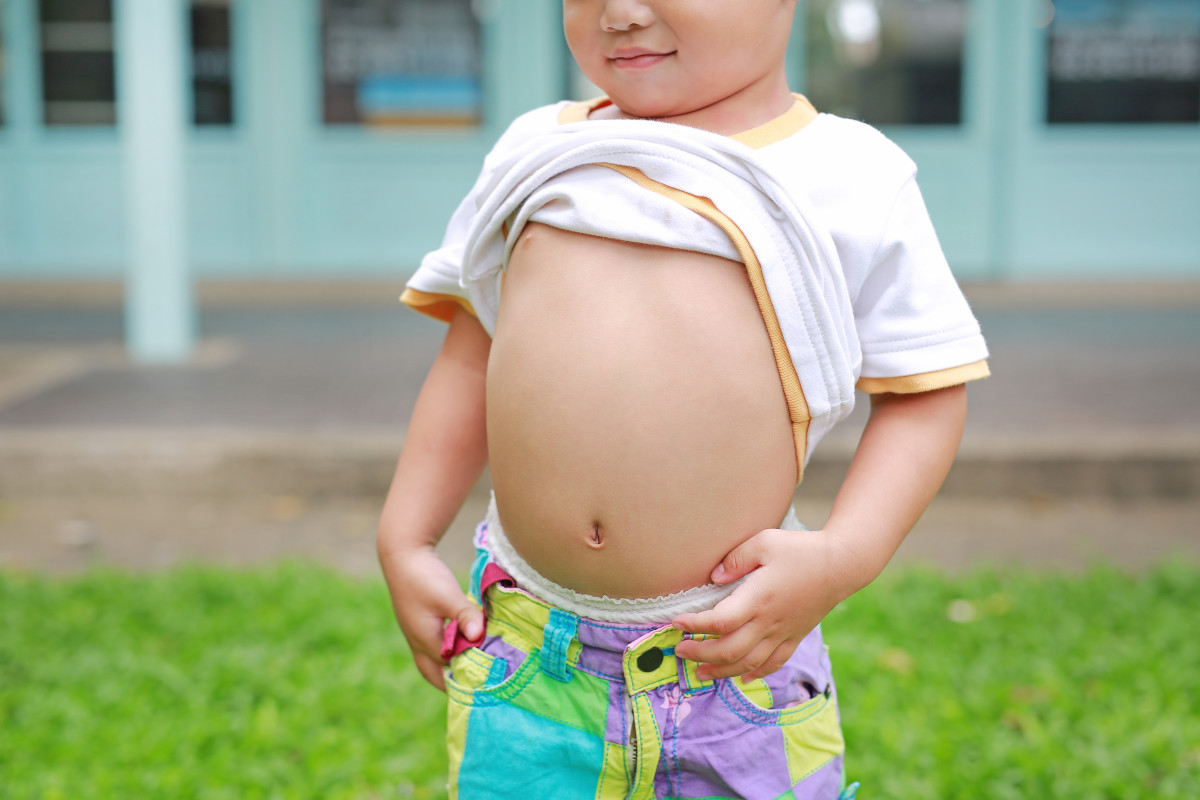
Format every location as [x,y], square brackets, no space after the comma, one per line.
[444,453]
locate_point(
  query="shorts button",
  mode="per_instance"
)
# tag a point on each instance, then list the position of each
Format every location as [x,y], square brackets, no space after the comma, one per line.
[650,660]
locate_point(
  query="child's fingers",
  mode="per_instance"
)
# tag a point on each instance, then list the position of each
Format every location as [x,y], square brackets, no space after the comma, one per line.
[725,617]
[470,620]
[430,669]
[740,561]
[774,661]
[749,661]
[724,650]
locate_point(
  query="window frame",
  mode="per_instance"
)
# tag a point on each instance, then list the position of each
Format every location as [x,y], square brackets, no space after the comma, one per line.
[1040,95]
[478,123]
[43,102]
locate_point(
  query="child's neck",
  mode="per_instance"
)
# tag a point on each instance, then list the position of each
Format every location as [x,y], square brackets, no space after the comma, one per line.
[755,105]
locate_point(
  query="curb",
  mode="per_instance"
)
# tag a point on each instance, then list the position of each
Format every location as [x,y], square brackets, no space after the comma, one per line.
[338,463]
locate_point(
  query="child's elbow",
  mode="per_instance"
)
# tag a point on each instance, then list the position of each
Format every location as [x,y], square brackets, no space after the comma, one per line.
[948,403]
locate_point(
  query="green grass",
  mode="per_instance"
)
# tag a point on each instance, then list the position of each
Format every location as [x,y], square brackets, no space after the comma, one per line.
[1084,687]
[289,682]
[293,682]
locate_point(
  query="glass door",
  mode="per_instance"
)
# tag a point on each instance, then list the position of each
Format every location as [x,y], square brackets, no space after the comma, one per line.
[888,62]
[913,69]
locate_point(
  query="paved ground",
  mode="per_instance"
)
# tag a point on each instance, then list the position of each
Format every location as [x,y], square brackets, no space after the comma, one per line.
[278,437]
[84,530]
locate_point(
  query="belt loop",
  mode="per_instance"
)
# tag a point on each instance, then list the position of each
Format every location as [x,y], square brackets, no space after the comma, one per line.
[483,557]
[557,636]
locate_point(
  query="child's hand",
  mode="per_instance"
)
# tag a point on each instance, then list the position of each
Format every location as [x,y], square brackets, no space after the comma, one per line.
[424,595]
[795,579]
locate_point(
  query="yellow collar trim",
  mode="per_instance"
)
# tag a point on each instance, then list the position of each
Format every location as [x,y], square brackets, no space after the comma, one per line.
[789,122]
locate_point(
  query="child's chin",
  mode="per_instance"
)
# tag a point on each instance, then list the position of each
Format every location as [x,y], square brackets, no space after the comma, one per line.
[643,109]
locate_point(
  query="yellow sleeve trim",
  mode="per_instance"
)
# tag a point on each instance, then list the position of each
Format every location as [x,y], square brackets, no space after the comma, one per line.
[926,381]
[438,306]
[792,391]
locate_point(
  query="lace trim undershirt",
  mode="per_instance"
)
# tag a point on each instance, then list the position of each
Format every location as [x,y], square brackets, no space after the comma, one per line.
[604,608]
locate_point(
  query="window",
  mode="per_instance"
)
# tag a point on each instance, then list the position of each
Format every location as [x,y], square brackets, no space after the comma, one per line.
[401,62]
[1125,61]
[212,63]
[78,72]
[78,78]
[887,62]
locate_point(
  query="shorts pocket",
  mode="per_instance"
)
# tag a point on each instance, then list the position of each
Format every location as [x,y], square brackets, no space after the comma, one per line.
[804,678]
[778,695]
[494,671]
[802,712]
[747,702]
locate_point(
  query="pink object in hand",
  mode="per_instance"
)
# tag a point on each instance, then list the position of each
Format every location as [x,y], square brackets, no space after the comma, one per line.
[453,639]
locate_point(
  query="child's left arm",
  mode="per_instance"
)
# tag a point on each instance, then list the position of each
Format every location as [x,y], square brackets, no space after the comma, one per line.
[797,577]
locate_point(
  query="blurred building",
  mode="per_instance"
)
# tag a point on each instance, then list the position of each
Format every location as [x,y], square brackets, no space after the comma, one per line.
[1056,140]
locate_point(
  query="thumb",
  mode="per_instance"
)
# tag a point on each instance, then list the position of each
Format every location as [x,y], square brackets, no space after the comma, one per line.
[470,620]
[740,561]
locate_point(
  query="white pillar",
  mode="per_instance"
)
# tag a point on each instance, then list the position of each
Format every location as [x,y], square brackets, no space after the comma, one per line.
[159,309]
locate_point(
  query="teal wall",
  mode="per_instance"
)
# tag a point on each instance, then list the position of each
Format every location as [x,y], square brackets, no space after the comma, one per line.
[282,195]
[1090,200]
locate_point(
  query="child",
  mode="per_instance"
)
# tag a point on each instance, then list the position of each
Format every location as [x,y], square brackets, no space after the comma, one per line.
[686,310]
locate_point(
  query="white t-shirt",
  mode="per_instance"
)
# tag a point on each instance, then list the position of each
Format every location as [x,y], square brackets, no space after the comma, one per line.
[911,328]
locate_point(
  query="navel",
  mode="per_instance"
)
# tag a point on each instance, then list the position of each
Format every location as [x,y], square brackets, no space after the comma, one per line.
[596,539]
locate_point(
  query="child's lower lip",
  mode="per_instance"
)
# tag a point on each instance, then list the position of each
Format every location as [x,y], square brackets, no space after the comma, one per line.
[640,62]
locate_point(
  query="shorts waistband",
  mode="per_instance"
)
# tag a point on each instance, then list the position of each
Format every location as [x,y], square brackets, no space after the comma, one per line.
[640,656]
[602,608]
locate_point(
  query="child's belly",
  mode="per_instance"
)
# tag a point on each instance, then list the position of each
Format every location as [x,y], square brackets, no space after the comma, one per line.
[637,429]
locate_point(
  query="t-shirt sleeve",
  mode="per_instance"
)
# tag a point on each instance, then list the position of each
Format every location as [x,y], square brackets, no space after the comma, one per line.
[435,288]
[915,327]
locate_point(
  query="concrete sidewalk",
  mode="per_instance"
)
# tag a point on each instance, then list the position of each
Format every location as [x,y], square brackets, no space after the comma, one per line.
[296,399]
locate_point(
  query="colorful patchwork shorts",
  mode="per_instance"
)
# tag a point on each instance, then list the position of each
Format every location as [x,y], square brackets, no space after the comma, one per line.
[554,705]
